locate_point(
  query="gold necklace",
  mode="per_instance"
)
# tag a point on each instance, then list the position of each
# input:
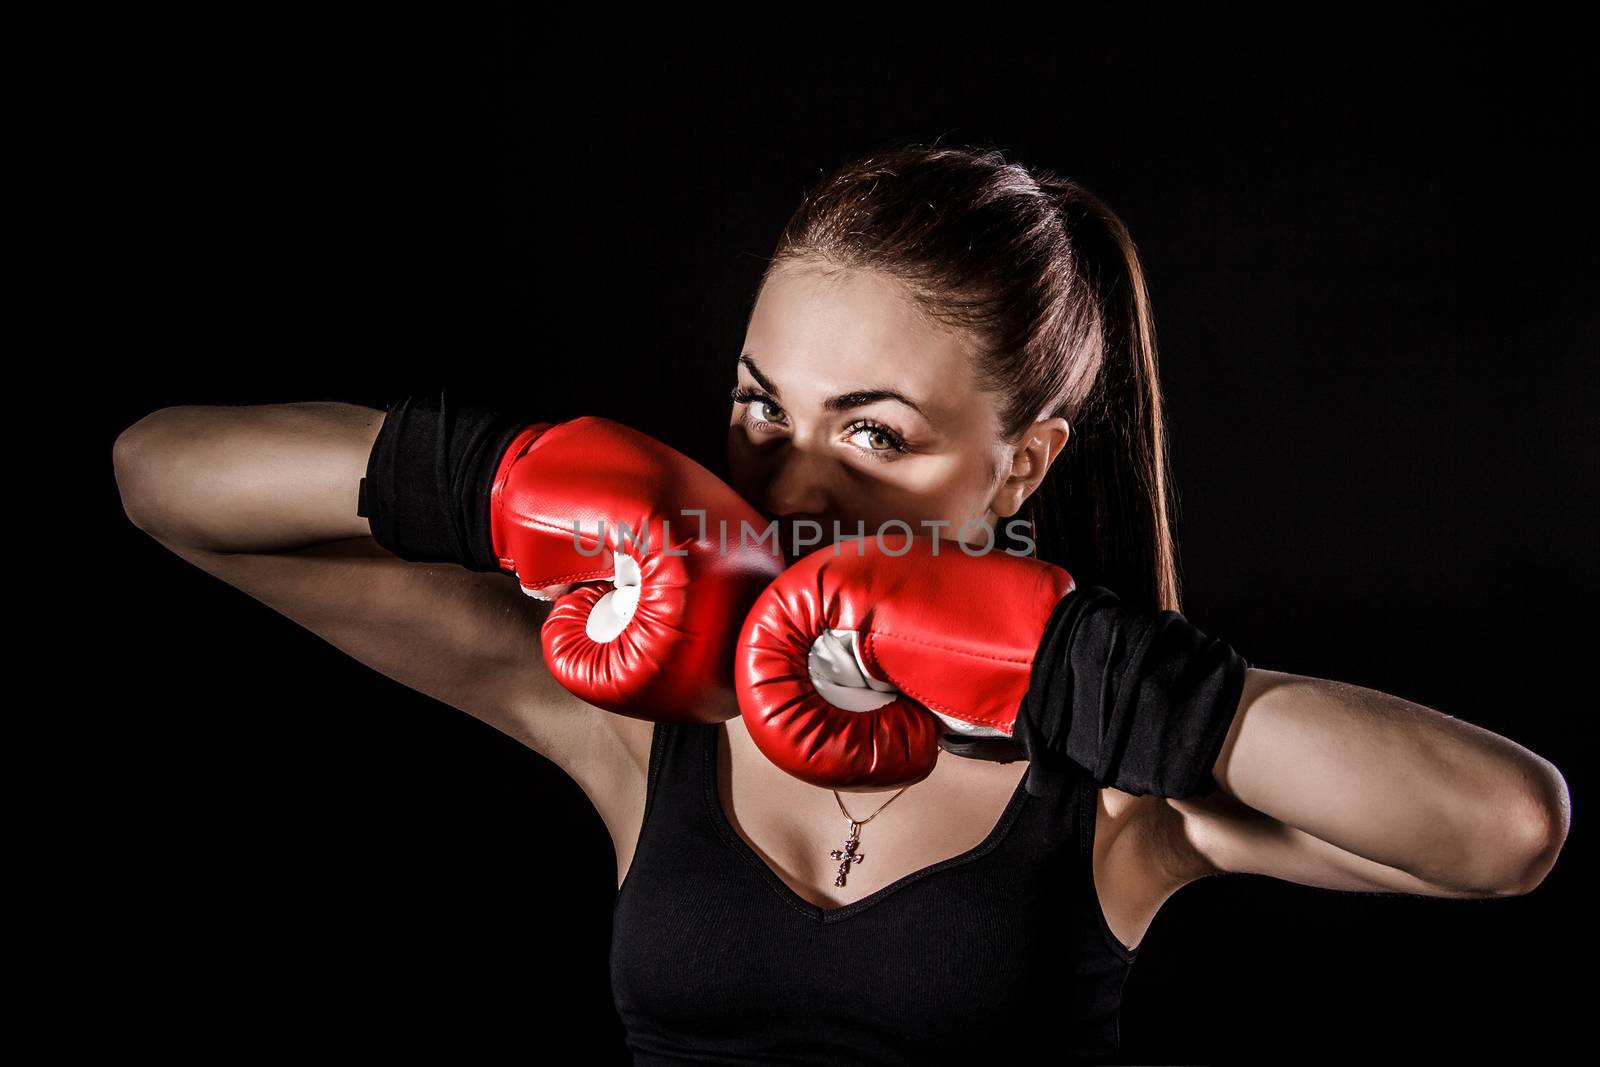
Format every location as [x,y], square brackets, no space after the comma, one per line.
[848,855]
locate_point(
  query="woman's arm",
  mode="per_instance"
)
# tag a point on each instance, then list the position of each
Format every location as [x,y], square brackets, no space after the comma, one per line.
[264,498]
[1331,784]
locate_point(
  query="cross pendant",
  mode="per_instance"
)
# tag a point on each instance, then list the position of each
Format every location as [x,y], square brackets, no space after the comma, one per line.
[848,855]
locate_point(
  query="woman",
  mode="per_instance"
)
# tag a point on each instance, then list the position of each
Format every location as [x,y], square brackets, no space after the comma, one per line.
[941,336]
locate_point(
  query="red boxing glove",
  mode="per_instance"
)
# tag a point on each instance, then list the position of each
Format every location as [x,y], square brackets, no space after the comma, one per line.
[658,591]
[854,662]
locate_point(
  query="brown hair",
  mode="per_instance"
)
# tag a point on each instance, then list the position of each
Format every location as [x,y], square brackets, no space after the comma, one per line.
[1046,281]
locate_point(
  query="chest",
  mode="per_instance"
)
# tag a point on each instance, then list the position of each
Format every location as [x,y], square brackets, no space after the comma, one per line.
[832,849]
[733,936]
[795,839]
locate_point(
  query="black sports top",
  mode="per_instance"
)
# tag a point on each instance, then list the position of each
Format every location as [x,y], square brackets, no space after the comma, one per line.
[714,959]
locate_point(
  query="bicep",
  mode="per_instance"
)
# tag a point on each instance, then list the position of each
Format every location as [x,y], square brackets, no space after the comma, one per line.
[465,638]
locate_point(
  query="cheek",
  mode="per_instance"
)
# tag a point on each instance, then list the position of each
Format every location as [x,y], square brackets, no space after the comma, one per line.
[948,490]
[948,483]
[745,471]
[966,494]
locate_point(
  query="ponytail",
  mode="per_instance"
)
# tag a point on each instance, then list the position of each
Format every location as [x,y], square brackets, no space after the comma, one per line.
[1102,510]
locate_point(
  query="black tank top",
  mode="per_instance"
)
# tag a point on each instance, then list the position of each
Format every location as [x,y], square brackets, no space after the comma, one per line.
[714,959]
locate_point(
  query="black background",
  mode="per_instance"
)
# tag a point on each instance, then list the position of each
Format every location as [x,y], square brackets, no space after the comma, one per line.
[1370,248]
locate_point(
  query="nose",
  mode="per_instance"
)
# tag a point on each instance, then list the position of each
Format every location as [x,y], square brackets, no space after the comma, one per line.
[797,485]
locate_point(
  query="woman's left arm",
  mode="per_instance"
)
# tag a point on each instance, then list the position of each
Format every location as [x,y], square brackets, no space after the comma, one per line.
[1331,784]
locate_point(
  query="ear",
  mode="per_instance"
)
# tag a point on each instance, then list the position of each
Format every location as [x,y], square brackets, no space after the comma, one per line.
[1031,457]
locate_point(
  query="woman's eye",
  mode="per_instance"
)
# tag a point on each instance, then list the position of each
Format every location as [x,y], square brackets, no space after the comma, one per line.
[772,412]
[760,410]
[881,441]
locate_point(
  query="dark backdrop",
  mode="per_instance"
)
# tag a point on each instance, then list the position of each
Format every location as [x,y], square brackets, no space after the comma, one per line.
[1371,253]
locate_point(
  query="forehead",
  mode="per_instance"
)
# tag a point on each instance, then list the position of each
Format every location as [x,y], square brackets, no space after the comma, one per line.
[852,328]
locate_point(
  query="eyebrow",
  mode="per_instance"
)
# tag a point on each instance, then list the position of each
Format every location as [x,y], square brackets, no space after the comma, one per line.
[844,401]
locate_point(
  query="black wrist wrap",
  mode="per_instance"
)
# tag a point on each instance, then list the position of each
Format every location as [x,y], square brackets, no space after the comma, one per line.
[1141,700]
[426,491]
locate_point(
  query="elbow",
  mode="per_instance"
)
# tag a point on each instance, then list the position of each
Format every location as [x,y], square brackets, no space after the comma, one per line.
[1534,831]
[128,458]
[136,459]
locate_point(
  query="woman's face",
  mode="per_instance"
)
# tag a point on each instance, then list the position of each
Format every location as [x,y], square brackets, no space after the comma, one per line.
[853,407]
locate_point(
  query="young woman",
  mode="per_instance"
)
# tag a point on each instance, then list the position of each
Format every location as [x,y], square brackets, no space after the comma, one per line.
[941,337]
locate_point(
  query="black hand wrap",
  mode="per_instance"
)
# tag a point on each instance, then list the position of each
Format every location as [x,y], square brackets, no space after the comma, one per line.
[1141,700]
[429,475]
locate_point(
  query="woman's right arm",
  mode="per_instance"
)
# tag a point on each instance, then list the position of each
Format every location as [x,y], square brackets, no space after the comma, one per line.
[264,498]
